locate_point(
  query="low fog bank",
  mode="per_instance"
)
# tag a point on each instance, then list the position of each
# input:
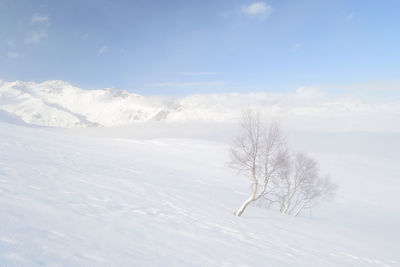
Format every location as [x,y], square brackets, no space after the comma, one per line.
[379,144]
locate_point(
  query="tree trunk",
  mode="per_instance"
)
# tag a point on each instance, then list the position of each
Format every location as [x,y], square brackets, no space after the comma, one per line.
[299,210]
[248,201]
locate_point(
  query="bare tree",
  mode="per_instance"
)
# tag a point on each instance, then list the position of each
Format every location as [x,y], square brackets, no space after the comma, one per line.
[291,182]
[301,186]
[259,152]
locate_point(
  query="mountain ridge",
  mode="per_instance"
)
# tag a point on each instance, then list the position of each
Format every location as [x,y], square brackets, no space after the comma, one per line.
[56,103]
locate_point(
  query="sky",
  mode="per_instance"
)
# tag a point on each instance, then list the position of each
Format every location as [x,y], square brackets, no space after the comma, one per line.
[187,47]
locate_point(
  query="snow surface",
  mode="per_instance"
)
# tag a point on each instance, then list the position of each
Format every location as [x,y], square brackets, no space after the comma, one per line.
[101,197]
[60,104]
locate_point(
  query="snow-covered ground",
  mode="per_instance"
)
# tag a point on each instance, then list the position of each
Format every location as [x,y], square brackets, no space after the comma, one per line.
[164,196]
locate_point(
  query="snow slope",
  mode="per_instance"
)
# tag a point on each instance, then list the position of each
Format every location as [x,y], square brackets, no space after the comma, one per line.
[60,104]
[70,199]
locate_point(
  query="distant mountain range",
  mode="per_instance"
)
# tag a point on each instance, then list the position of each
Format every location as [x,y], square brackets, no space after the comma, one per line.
[60,104]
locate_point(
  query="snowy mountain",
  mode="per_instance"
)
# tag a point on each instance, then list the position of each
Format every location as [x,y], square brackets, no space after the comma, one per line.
[60,104]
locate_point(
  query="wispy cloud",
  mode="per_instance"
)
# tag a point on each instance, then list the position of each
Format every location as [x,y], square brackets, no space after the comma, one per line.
[35,37]
[11,43]
[194,73]
[382,87]
[12,55]
[351,16]
[40,25]
[103,49]
[36,18]
[190,85]
[260,10]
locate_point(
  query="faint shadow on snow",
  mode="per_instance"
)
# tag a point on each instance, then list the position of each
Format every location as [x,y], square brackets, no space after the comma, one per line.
[13,119]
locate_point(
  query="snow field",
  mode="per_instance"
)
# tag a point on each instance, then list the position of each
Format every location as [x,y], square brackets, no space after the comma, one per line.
[74,200]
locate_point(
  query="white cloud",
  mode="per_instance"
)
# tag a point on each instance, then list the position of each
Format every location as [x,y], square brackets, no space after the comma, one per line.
[39,29]
[103,49]
[258,9]
[190,85]
[12,55]
[36,18]
[36,36]
[309,93]
[351,16]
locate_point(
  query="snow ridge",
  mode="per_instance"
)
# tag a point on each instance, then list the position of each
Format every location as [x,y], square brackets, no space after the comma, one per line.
[59,104]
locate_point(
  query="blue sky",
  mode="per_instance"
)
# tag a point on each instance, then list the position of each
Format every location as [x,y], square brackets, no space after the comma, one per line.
[185,47]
